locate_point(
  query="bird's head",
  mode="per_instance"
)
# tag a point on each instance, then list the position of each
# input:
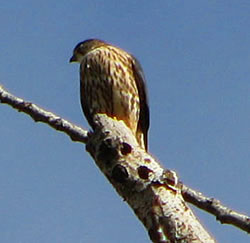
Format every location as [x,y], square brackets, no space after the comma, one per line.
[85,47]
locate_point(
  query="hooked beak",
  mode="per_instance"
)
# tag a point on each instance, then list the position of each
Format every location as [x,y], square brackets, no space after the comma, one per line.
[72,59]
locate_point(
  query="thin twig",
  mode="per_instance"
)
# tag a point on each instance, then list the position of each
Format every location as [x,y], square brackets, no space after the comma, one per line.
[223,214]
[38,114]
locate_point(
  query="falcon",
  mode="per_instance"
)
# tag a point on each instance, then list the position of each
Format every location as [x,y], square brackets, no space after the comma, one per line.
[112,82]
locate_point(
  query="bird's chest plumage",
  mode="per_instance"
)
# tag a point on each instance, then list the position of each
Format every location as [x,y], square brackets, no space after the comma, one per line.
[108,86]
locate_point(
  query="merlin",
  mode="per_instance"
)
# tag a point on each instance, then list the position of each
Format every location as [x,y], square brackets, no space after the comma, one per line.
[112,82]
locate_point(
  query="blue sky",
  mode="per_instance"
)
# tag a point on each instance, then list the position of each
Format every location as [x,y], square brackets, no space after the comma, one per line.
[196,58]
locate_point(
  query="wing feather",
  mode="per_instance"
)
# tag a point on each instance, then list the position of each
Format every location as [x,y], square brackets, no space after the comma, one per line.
[143,123]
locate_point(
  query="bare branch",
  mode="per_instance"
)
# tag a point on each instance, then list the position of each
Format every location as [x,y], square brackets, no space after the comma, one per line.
[224,214]
[137,177]
[153,193]
[38,114]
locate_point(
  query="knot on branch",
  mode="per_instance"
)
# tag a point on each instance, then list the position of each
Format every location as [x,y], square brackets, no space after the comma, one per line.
[119,174]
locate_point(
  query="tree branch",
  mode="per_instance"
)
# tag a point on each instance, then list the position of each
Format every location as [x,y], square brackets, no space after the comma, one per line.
[223,214]
[38,114]
[153,193]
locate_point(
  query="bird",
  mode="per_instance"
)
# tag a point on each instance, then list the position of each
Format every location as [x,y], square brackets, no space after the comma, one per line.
[112,82]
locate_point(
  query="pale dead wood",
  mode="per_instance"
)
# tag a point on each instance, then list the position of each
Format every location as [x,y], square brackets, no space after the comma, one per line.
[223,214]
[38,114]
[153,193]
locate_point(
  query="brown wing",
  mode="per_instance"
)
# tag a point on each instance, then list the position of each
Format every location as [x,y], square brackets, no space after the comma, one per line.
[143,123]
